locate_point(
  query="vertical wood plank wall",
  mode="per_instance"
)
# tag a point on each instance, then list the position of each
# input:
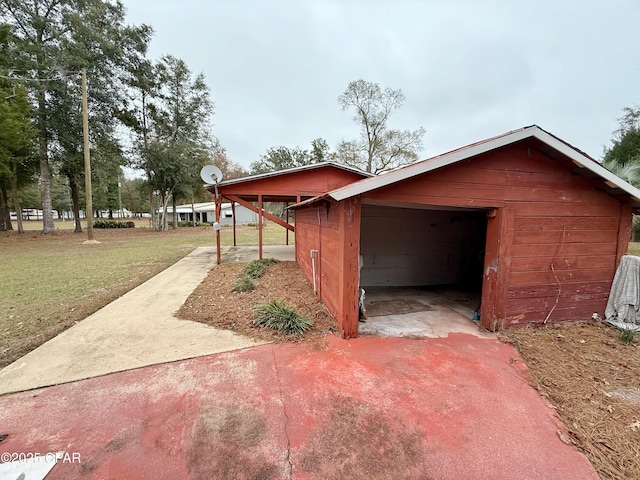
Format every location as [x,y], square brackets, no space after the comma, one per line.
[558,246]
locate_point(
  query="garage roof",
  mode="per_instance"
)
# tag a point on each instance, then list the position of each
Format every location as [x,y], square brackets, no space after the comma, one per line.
[289,171]
[552,146]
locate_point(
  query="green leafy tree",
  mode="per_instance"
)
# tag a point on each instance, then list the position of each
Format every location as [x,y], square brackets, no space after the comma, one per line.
[180,133]
[143,89]
[379,148]
[281,158]
[17,135]
[53,40]
[623,157]
[625,146]
[135,195]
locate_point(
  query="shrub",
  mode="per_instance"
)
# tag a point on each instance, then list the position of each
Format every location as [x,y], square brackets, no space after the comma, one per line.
[627,336]
[244,283]
[256,268]
[190,224]
[113,224]
[281,317]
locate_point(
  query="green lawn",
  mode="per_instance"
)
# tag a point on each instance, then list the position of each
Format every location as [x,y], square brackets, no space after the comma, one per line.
[634,248]
[50,282]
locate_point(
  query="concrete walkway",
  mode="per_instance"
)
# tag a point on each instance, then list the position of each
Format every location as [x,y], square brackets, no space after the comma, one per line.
[136,330]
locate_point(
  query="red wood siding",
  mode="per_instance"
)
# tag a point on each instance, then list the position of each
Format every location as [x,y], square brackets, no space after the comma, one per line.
[555,237]
[318,228]
[308,183]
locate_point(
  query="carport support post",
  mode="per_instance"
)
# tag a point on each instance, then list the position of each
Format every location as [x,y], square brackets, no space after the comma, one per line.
[233,219]
[349,251]
[286,235]
[260,226]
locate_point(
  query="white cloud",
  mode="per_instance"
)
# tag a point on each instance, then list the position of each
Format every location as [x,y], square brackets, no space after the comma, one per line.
[469,70]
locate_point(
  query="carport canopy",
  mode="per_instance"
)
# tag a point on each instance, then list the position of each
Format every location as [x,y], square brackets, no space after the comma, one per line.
[289,186]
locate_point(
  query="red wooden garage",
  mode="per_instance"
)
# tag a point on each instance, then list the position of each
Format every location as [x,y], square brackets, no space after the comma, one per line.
[536,226]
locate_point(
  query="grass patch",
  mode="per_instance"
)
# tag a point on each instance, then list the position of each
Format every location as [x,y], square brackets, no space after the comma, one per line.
[279,316]
[627,336]
[49,282]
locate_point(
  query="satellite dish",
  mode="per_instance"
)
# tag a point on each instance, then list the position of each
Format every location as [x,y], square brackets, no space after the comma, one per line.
[211,174]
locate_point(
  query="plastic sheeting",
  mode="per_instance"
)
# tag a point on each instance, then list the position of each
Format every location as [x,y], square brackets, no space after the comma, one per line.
[623,306]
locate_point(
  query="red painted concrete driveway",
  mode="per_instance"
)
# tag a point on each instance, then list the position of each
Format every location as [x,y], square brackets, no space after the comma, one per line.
[369,408]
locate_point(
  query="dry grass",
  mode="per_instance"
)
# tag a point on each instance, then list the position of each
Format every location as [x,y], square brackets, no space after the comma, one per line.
[592,380]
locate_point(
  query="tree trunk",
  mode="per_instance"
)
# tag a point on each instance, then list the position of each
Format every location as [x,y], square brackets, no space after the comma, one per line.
[162,221]
[16,199]
[5,215]
[193,211]
[45,172]
[174,219]
[75,204]
[152,207]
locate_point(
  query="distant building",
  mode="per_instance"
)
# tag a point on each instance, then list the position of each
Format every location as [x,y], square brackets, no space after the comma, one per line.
[206,213]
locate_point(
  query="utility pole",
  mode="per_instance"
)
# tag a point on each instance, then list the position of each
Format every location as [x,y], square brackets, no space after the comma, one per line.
[87,158]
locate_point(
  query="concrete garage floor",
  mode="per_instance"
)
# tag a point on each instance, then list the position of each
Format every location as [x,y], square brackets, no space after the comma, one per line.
[420,312]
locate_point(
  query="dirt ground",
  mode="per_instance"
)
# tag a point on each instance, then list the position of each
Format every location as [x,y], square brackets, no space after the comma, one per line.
[587,374]
[215,304]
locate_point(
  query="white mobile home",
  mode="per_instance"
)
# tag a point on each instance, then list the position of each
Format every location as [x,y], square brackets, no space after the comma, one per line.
[206,213]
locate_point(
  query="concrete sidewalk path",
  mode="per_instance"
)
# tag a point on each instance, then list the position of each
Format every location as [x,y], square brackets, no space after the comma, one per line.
[136,330]
[455,408]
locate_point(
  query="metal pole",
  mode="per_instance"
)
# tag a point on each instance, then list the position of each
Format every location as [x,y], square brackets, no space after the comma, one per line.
[87,158]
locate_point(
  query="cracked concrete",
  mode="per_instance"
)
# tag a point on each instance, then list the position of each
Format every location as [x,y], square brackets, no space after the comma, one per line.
[419,313]
[365,408]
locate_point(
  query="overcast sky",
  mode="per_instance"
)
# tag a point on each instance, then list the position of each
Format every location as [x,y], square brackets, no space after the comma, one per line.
[469,69]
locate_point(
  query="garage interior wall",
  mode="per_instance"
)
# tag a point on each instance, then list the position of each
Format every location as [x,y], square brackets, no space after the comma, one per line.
[421,247]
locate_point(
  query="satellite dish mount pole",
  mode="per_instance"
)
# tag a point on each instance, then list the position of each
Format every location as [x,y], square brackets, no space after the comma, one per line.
[218,212]
[212,175]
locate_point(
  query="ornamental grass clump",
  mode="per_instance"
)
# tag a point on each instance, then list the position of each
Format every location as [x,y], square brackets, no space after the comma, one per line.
[248,279]
[279,316]
[256,268]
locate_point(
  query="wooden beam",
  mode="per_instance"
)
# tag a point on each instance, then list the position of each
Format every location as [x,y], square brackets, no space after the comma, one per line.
[497,260]
[349,248]
[624,231]
[255,209]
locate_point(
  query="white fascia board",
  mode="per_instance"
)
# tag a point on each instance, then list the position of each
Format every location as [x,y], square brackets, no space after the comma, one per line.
[585,162]
[429,165]
[312,166]
[464,153]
